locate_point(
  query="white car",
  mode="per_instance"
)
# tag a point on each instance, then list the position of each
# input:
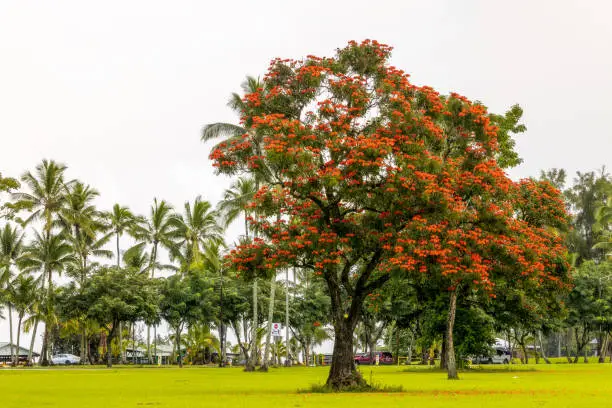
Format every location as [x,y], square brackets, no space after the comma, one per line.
[65,359]
[498,356]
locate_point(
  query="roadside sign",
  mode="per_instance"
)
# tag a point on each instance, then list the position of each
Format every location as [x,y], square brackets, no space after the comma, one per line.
[276,329]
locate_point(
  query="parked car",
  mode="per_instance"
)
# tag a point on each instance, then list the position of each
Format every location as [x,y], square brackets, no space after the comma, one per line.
[384,357]
[497,356]
[65,359]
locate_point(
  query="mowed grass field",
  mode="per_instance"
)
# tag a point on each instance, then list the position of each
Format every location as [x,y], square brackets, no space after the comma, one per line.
[556,385]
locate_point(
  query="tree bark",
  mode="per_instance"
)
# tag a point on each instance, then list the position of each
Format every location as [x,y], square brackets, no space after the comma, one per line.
[443,353]
[568,342]
[288,354]
[250,365]
[109,348]
[18,338]
[178,347]
[343,373]
[410,344]
[44,358]
[10,319]
[542,348]
[31,351]
[603,348]
[450,346]
[120,340]
[264,366]
[83,353]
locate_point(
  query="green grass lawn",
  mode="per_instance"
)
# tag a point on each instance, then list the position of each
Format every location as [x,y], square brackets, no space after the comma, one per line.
[556,385]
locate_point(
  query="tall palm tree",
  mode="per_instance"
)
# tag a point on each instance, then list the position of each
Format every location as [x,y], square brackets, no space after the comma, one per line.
[194,230]
[230,133]
[603,225]
[156,230]
[120,220]
[84,229]
[235,202]
[46,194]
[11,246]
[212,261]
[78,215]
[47,254]
[23,295]
[44,198]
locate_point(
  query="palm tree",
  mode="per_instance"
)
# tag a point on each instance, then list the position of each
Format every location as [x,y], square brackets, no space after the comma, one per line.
[156,230]
[213,264]
[11,246]
[78,215]
[603,225]
[195,229]
[200,342]
[35,315]
[47,254]
[47,193]
[228,131]
[23,295]
[235,202]
[120,220]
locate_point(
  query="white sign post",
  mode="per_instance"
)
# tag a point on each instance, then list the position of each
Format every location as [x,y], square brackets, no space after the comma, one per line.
[276,330]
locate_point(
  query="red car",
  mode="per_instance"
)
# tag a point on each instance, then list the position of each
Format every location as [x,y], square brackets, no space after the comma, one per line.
[384,357]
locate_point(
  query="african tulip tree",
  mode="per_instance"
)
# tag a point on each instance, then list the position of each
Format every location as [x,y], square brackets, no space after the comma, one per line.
[375,176]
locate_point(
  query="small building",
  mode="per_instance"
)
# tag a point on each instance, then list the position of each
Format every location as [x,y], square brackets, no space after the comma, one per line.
[162,354]
[5,353]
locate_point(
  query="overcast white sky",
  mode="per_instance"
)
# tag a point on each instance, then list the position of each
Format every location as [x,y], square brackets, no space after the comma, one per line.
[119,90]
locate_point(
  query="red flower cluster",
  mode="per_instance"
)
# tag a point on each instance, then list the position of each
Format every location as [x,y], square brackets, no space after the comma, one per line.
[373,174]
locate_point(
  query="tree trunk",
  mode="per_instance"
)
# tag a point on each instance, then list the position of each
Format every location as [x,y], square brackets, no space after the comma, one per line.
[410,344]
[603,348]
[31,351]
[343,373]
[450,346]
[264,366]
[524,351]
[443,356]
[542,348]
[10,319]
[18,338]
[153,260]
[121,355]
[44,359]
[568,343]
[83,341]
[109,348]
[397,343]
[288,354]
[250,365]
[45,347]
[178,348]
[243,349]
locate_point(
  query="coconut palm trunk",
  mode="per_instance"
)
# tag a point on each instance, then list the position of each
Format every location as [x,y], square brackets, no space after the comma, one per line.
[153,260]
[264,366]
[31,350]
[10,319]
[20,319]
